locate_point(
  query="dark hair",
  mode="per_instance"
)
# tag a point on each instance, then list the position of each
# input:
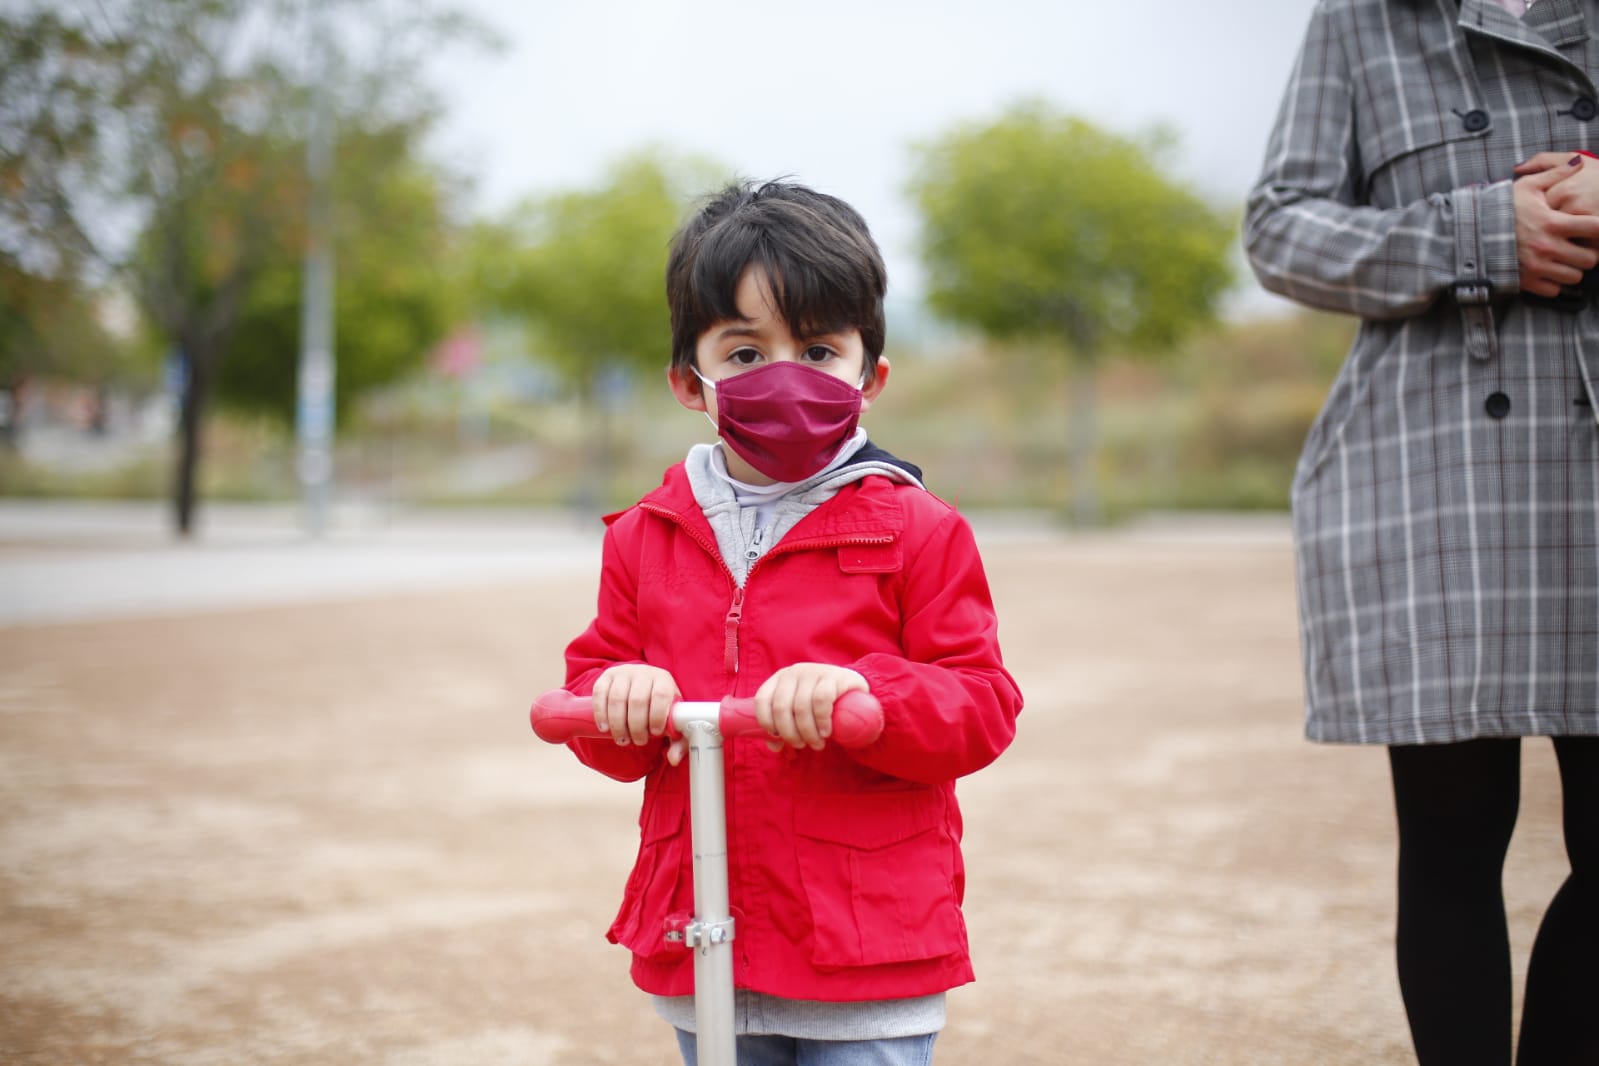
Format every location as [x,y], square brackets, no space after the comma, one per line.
[825,270]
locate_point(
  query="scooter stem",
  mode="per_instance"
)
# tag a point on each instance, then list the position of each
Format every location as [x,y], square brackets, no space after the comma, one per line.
[711,934]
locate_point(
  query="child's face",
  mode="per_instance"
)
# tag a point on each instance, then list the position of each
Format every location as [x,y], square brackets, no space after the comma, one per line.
[761,337]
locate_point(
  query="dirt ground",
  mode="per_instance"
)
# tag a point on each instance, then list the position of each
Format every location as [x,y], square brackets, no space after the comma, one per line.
[325,834]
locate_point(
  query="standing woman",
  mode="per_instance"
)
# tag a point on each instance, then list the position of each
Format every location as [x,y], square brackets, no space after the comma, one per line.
[1446,505]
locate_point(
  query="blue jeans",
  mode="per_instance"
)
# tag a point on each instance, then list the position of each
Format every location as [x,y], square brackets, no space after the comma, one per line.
[793,1051]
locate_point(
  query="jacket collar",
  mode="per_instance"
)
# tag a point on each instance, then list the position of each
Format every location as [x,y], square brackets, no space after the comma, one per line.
[1548,26]
[865,510]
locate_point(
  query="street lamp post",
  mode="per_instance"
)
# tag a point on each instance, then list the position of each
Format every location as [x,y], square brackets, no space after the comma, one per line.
[314,409]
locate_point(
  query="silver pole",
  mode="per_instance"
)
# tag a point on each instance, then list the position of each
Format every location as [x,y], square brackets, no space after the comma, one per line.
[314,410]
[712,932]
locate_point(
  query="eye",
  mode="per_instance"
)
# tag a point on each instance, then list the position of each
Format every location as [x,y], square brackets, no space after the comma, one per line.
[744,356]
[819,354]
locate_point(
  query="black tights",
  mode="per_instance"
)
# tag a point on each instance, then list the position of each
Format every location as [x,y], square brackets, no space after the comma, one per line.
[1457,807]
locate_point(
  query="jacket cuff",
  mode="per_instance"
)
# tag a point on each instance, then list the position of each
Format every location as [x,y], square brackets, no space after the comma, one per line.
[1485,237]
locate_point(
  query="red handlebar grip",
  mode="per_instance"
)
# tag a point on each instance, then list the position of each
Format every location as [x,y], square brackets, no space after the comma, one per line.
[857,718]
[558,716]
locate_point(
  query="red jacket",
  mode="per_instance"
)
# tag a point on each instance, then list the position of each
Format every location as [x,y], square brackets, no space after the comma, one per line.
[845,872]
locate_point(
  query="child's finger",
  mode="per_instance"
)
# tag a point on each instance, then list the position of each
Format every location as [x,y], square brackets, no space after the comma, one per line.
[660,708]
[639,695]
[807,694]
[598,698]
[781,700]
[616,705]
[823,710]
[675,750]
[783,722]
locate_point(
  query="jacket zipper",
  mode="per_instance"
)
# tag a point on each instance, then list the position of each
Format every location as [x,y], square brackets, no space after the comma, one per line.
[735,611]
[735,614]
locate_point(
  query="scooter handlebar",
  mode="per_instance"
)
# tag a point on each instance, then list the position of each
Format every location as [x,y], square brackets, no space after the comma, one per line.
[558,716]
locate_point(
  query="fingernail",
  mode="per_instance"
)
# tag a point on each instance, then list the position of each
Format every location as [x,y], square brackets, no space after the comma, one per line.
[1574,160]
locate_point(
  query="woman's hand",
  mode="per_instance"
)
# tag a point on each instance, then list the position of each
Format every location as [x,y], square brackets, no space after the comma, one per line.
[1577,193]
[795,705]
[632,703]
[1549,240]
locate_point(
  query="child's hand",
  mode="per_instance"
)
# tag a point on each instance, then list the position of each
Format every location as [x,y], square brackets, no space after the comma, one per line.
[795,704]
[632,702]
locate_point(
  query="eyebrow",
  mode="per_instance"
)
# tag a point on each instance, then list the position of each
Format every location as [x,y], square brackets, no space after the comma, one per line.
[751,331]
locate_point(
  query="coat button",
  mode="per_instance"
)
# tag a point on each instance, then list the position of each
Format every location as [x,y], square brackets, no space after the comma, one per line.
[1584,109]
[1476,120]
[1497,405]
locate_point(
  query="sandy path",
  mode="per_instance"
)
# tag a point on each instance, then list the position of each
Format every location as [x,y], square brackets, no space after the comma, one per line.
[325,835]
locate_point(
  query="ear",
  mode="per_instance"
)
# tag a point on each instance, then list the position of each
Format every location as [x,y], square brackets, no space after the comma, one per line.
[686,387]
[874,388]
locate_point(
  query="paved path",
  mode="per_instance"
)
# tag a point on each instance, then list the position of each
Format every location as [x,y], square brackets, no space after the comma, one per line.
[77,562]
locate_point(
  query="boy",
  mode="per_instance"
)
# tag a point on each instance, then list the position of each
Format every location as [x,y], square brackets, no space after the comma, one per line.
[797,561]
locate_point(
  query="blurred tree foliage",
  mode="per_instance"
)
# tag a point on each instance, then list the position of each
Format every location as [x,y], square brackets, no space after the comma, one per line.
[46,303]
[50,324]
[585,271]
[160,144]
[398,288]
[1047,233]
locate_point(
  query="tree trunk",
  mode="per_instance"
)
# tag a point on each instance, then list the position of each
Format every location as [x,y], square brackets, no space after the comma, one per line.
[196,386]
[11,401]
[1082,445]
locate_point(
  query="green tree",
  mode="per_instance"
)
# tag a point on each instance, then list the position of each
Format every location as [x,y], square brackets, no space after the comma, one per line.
[586,271]
[1045,232]
[184,121]
[396,287]
[586,268]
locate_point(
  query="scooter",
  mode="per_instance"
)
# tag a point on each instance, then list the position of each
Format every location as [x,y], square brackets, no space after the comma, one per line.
[558,716]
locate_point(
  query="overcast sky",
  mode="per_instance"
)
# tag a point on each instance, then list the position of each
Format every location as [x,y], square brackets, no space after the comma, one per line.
[833,92]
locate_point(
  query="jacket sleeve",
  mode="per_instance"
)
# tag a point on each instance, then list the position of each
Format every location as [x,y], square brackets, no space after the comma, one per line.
[612,638]
[949,705]
[1309,234]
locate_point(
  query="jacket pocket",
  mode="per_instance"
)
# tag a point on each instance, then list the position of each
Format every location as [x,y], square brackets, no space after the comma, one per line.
[662,879]
[879,874]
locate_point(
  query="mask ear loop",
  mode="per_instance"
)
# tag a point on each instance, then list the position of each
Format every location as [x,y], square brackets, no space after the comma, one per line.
[707,383]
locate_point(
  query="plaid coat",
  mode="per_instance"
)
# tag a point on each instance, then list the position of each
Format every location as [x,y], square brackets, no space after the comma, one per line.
[1446,502]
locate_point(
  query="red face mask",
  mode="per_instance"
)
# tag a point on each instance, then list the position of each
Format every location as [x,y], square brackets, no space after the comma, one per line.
[786,420]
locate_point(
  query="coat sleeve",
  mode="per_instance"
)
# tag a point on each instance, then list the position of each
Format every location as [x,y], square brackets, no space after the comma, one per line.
[949,705]
[1310,235]
[612,638]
